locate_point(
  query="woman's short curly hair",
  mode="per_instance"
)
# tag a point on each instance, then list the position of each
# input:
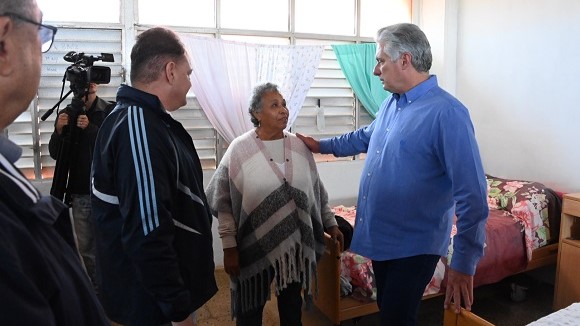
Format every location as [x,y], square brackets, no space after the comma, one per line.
[256,100]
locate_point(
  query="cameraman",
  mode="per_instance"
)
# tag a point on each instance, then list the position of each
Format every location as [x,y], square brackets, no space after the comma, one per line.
[80,157]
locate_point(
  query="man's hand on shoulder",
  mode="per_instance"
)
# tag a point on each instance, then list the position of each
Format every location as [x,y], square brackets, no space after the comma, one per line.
[312,144]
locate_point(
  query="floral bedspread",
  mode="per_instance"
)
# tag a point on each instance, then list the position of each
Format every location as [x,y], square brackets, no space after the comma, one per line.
[527,203]
[357,270]
[531,204]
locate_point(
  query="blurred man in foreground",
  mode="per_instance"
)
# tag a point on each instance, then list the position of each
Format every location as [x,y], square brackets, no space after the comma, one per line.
[42,281]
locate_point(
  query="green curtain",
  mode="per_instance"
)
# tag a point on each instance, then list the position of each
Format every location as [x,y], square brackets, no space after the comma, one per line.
[357,62]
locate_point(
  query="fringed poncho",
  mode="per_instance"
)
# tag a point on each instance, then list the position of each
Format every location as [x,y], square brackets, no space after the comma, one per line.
[279,217]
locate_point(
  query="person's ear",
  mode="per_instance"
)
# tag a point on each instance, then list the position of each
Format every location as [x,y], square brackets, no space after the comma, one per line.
[170,72]
[6,42]
[406,60]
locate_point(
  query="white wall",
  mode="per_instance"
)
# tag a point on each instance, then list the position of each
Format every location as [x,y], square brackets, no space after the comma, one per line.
[430,15]
[517,72]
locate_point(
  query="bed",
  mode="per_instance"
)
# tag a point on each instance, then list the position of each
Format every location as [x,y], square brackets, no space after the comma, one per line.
[522,234]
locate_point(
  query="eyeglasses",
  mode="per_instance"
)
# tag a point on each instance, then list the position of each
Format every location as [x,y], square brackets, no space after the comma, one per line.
[46,32]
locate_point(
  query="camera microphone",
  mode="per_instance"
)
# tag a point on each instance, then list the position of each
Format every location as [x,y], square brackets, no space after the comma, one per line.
[87,60]
[107,57]
[72,56]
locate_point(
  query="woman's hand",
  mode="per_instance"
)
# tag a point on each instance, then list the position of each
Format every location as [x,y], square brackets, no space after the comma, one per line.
[336,235]
[232,261]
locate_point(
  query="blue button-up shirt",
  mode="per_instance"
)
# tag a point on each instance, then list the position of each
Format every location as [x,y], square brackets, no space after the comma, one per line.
[422,167]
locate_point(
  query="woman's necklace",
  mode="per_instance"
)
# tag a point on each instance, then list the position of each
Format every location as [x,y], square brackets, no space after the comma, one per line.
[276,152]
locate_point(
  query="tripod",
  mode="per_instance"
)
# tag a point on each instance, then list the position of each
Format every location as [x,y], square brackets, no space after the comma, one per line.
[68,146]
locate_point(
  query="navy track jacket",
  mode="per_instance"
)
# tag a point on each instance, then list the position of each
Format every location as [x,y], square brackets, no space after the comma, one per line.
[153,227]
[42,281]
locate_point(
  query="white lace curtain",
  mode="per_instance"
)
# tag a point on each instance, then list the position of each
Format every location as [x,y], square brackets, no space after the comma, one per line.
[225,73]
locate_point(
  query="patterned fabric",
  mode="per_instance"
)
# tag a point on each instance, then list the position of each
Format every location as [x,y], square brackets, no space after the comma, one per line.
[225,72]
[359,271]
[279,217]
[348,213]
[528,203]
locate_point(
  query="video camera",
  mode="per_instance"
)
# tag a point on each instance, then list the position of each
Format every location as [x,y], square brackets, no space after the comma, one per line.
[82,72]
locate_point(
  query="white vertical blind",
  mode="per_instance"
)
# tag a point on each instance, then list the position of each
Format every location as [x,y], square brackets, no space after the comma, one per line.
[329,107]
[200,129]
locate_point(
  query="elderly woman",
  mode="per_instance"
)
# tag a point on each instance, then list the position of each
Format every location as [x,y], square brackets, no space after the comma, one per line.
[272,210]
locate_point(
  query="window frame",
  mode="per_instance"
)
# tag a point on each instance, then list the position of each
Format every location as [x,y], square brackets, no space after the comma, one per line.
[129,27]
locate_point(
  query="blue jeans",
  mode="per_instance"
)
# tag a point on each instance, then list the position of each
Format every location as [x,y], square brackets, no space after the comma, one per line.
[400,286]
[85,233]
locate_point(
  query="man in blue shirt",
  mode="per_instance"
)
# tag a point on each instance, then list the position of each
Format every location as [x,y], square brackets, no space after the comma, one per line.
[422,168]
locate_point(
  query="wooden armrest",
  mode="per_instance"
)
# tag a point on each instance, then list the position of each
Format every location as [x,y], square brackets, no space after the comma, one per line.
[332,247]
[465,318]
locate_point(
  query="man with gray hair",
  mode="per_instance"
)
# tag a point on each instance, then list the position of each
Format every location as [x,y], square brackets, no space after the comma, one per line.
[422,168]
[152,220]
[42,281]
